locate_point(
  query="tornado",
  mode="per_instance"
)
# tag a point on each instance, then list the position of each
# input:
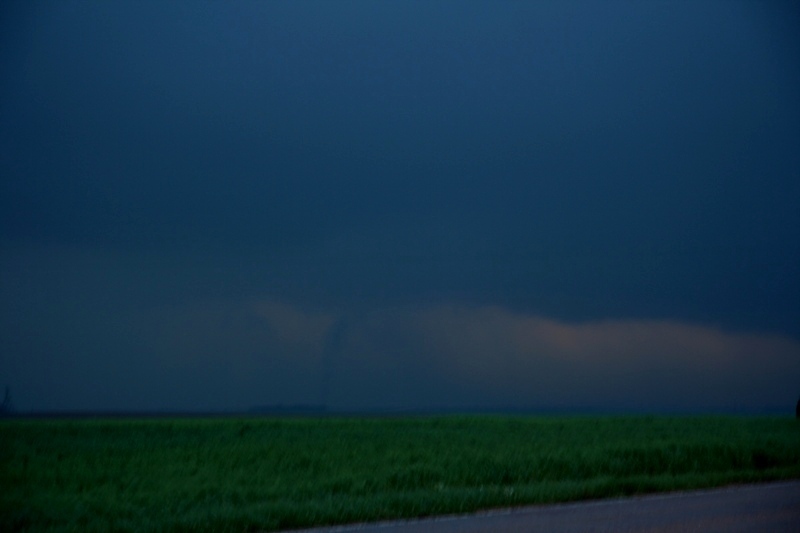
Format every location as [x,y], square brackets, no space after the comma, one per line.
[331,357]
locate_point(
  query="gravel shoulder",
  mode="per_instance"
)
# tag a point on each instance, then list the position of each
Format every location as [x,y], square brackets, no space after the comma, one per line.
[771,507]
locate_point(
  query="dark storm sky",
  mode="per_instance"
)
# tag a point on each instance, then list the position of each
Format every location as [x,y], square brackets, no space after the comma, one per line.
[400,204]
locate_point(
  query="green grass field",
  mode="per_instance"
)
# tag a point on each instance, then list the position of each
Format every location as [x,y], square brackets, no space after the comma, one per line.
[262,474]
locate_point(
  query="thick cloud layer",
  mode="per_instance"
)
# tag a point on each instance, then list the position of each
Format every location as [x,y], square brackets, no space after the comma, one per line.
[148,336]
[433,203]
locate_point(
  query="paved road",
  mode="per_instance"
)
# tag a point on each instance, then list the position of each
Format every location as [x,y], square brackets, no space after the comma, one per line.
[773,507]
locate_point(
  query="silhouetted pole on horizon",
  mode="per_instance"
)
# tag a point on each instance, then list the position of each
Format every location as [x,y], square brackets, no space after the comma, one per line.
[797,409]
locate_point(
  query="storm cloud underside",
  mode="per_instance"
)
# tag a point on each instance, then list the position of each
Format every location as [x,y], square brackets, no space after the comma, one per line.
[440,204]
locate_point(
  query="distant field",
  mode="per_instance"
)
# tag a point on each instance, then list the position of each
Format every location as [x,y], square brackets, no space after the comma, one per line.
[254,474]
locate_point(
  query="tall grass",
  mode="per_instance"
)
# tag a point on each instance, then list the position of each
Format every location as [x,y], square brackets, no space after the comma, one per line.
[254,474]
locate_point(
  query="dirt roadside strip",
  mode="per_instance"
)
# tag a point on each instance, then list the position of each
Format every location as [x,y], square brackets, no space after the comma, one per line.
[773,507]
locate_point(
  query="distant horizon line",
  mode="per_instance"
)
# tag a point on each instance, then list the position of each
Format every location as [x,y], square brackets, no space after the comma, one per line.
[313,410]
